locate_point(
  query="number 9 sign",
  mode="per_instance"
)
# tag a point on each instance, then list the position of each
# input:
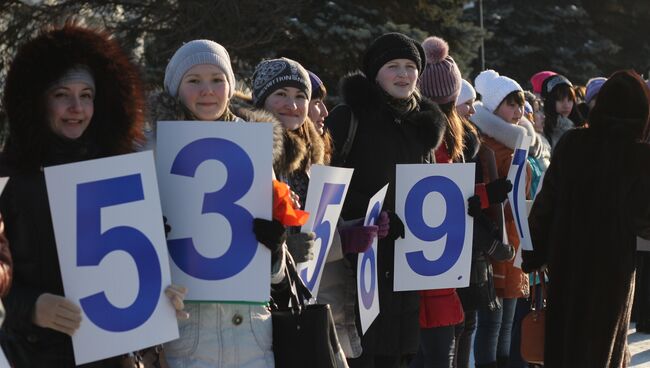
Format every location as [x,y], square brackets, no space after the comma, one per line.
[112,252]
[215,178]
[432,202]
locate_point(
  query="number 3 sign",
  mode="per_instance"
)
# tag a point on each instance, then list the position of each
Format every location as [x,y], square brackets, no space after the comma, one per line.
[437,250]
[111,247]
[215,178]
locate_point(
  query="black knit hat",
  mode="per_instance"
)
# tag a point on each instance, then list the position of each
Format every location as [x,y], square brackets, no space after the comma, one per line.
[391,46]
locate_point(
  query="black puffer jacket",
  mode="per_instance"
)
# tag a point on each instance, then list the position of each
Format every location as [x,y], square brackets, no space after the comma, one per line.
[381,142]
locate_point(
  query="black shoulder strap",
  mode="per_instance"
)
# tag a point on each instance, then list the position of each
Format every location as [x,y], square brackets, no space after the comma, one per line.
[352,131]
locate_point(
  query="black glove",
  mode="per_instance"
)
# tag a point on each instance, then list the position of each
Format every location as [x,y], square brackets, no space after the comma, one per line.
[301,246]
[396,229]
[167,227]
[497,190]
[474,206]
[270,233]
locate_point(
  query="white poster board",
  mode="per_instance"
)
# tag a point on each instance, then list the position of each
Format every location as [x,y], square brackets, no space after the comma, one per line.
[215,178]
[111,246]
[328,187]
[437,250]
[517,197]
[367,283]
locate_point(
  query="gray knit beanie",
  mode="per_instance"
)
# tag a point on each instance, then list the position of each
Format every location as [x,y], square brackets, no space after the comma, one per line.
[195,53]
[274,74]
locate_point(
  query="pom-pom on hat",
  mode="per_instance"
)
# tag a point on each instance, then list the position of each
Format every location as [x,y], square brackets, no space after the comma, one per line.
[391,46]
[494,88]
[441,79]
[195,53]
[467,93]
[538,78]
[593,87]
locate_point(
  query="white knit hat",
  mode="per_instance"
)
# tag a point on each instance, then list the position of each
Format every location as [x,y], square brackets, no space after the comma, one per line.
[494,88]
[467,93]
[195,53]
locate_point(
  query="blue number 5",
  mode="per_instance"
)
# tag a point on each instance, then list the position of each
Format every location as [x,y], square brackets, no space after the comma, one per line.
[453,226]
[332,195]
[240,179]
[93,246]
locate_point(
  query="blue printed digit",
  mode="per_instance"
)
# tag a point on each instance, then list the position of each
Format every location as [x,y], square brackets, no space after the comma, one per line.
[243,245]
[93,246]
[332,195]
[369,256]
[453,225]
[519,160]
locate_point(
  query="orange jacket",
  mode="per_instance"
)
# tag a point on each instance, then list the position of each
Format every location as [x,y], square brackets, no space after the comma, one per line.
[509,281]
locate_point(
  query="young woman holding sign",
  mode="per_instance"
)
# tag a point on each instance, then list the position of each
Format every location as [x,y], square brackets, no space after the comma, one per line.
[71,95]
[395,126]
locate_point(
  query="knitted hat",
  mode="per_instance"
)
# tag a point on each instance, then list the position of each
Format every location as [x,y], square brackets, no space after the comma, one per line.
[391,46]
[193,53]
[593,87]
[440,80]
[317,86]
[538,78]
[467,93]
[494,88]
[551,82]
[273,74]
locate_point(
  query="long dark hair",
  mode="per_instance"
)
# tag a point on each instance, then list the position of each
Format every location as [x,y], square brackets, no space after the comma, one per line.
[550,114]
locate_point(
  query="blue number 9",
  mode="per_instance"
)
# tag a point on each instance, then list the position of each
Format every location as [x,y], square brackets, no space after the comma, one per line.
[332,195]
[239,180]
[453,226]
[369,256]
[93,246]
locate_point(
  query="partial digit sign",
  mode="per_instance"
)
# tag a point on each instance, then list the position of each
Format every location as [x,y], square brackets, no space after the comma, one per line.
[111,246]
[432,202]
[215,178]
[517,197]
[367,285]
[325,196]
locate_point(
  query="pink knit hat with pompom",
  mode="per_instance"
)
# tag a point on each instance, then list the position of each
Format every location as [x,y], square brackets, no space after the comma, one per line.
[441,80]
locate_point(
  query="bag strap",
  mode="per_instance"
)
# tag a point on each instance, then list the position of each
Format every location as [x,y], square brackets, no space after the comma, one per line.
[533,297]
[299,293]
[349,140]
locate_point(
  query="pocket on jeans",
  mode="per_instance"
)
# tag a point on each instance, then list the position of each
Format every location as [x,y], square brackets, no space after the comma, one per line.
[262,327]
[188,341]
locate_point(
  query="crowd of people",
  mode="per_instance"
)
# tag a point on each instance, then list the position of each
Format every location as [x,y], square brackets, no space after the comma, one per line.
[73,94]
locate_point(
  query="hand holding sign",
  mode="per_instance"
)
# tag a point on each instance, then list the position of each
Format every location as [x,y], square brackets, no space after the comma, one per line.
[58,313]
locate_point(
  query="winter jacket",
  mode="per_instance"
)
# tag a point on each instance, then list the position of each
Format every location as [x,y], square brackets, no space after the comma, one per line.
[382,141]
[509,281]
[563,126]
[115,125]
[584,223]
[228,335]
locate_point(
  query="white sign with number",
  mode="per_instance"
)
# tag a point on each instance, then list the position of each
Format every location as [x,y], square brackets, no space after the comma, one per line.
[215,178]
[328,186]
[112,251]
[517,197]
[367,283]
[431,200]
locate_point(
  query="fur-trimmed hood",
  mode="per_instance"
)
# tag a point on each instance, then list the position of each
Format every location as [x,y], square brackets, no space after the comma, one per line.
[118,106]
[364,97]
[509,134]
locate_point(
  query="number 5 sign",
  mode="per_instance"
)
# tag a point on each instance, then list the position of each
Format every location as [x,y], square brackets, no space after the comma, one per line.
[437,250]
[517,197]
[111,247]
[215,178]
[325,196]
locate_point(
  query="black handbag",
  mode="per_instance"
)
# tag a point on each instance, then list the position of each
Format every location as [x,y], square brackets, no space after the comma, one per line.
[304,335]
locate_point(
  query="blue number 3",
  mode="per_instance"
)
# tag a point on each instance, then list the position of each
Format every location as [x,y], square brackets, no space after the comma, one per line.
[93,246]
[453,226]
[235,259]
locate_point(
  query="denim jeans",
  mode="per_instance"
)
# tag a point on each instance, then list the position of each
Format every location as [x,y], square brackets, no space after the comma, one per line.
[437,347]
[493,332]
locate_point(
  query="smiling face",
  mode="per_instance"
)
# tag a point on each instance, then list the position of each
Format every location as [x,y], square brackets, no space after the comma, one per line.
[466,109]
[317,114]
[70,107]
[204,91]
[289,105]
[398,78]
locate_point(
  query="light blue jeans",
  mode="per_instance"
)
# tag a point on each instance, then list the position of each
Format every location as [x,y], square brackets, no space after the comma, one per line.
[493,332]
